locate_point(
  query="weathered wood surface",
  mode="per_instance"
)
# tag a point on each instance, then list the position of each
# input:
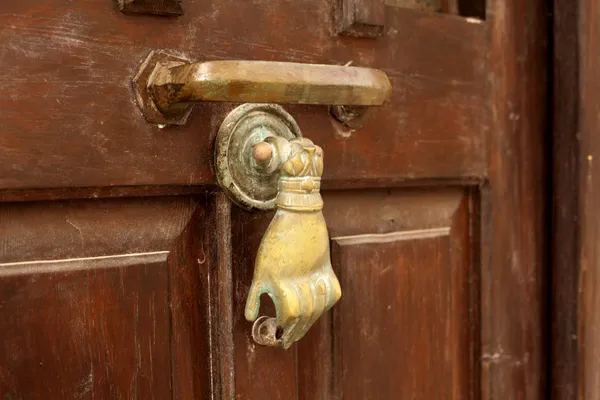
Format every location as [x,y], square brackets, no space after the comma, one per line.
[154,7]
[106,299]
[566,235]
[70,119]
[361,18]
[575,367]
[514,211]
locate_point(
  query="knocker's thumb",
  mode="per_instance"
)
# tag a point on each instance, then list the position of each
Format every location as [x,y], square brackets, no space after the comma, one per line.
[253,302]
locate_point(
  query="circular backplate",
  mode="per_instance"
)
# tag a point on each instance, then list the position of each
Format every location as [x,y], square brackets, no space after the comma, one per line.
[236,171]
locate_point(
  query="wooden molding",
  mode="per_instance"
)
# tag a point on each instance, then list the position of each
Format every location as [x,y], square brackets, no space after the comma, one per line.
[155,7]
[361,18]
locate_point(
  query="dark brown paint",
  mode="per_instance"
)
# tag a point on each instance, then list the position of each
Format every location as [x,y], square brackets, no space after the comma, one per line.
[575,370]
[153,7]
[514,262]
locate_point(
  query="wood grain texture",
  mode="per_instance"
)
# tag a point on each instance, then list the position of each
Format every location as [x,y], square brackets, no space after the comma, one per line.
[445,6]
[576,253]
[398,314]
[70,119]
[406,300]
[102,298]
[515,272]
[361,18]
[465,8]
[67,193]
[190,260]
[223,351]
[84,332]
[78,228]
[568,155]
[588,365]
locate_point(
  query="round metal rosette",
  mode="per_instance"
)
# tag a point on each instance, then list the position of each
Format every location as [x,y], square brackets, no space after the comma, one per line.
[248,185]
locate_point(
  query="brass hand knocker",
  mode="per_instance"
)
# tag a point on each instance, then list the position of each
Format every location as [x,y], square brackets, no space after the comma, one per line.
[293,265]
[263,162]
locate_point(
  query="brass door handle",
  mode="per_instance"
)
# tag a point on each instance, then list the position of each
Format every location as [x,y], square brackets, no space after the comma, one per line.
[263,162]
[167,85]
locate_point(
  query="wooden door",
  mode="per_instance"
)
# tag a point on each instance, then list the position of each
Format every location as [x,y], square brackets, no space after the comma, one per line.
[124,269]
[575,348]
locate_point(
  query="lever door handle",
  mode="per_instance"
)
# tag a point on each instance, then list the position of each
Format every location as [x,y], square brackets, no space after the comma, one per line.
[169,84]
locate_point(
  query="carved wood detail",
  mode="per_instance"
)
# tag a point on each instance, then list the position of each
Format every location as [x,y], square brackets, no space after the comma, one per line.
[361,18]
[155,7]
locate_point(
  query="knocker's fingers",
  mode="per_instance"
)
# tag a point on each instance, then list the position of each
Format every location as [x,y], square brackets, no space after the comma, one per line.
[334,290]
[287,338]
[253,301]
[286,304]
[319,295]
[288,310]
[304,297]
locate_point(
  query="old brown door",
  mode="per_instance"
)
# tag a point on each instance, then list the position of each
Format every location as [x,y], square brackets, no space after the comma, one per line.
[124,269]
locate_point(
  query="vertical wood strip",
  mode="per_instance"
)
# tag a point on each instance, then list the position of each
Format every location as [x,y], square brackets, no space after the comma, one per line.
[575,345]
[588,364]
[514,272]
[222,285]
[566,155]
[475,218]
[361,18]
[450,7]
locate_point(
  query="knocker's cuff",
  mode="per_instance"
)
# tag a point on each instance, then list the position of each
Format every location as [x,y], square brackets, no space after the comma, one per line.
[299,193]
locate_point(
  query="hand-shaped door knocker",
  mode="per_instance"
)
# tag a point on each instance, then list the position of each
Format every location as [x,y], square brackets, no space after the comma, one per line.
[293,265]
[262,161]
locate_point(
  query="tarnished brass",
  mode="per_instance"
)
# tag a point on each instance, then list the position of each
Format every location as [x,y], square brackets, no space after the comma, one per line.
[293,264]
[140,89]
[351,117]
[263,162]
[250,183]
[175,84]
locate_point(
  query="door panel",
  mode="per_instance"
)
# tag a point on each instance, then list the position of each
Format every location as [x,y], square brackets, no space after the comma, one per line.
[406,302]
[404,260]
[86,327]
[84,228]
[104,298]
